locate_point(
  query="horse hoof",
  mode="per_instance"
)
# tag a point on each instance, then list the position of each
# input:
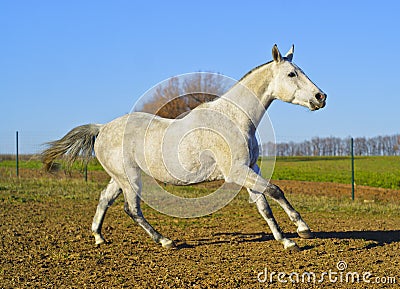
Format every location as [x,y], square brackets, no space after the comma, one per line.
[307,234]
[168,244]
[99,239]
[290,245]
[293,248]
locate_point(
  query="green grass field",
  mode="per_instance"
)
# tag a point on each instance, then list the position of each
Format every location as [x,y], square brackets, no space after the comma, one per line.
[377,171]
[34,163]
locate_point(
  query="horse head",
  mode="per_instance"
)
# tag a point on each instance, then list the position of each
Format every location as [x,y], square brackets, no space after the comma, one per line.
[290,84]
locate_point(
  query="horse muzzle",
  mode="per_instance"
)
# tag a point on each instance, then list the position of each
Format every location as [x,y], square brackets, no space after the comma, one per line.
[318,102]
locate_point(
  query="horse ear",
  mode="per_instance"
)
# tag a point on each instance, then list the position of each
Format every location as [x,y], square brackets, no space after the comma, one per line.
[289,55]
[276,55]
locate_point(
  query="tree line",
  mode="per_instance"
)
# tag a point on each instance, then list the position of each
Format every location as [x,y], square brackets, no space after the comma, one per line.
[335,146]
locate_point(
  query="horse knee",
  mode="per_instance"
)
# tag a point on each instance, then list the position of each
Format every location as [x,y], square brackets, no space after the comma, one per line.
[274,192]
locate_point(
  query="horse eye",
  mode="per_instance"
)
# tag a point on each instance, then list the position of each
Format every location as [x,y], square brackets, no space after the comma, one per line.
[292,74]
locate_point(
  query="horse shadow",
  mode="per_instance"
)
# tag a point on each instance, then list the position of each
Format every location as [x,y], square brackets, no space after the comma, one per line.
[379,238]
[375,238]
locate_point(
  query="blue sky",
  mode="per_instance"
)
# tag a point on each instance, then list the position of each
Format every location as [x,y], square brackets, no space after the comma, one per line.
[66,63]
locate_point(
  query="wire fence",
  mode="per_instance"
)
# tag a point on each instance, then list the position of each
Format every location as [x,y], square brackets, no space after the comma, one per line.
[17,149]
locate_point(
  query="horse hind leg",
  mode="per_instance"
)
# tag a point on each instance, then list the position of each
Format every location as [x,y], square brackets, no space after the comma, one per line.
[132,208]
[107,198]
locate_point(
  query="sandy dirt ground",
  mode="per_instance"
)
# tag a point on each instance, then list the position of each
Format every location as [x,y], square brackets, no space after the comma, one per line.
[48,244]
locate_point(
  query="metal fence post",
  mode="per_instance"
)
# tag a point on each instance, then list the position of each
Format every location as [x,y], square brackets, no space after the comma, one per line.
[352,168]
[86,177]
[17,154]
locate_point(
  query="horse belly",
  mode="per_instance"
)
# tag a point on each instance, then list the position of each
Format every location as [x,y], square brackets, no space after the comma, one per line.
[174,171]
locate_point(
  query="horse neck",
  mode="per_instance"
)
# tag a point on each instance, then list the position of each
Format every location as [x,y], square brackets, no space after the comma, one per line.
[247,101]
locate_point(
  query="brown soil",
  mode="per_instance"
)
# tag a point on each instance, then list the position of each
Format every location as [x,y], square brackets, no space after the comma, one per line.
[368,194]
[48,244]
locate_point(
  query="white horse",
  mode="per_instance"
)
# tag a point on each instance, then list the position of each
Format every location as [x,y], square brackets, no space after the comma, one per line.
[164,148]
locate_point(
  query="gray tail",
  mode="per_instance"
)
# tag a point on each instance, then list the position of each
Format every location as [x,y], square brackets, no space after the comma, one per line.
[78,142]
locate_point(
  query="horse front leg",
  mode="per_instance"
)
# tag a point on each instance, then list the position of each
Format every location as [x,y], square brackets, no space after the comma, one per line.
[275,193]
[265,211]
[257,186]
[303,230]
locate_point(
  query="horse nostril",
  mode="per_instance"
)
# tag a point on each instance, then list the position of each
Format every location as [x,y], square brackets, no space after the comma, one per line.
[320,96]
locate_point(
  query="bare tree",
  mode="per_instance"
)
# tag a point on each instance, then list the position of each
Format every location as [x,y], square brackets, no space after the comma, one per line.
[178,97]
